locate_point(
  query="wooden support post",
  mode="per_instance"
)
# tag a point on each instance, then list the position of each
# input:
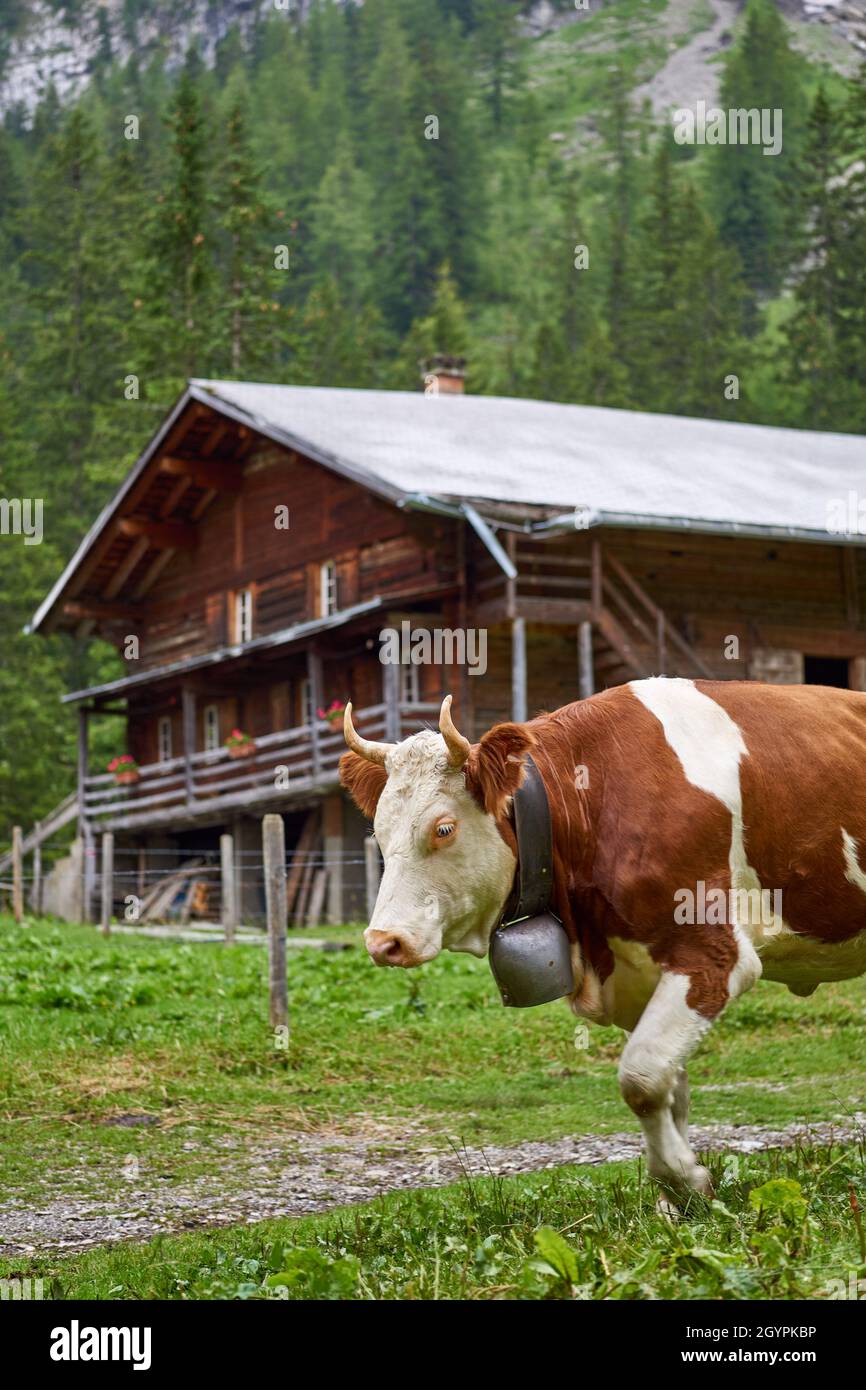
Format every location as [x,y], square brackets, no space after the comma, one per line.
[188,702]
[82,765]
[585,675]
[17,875]
[229,895]
[89,871]
[857,673]
[36,894]
[314,675]
[332,838]
[107,882]
[597,581]
[373,869]
[465,717]
[850,584]
[391,698]
[660,642]
[84,832]
[518,670]
[274,850]
[518,639]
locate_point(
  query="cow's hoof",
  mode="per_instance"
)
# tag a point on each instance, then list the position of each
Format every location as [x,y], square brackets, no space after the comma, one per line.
[668,1210]
[701,1182]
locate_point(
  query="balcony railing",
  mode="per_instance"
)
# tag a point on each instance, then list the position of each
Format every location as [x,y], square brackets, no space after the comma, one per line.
[284,765]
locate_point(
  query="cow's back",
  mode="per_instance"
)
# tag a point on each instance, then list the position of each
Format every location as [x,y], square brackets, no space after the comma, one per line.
[729,784]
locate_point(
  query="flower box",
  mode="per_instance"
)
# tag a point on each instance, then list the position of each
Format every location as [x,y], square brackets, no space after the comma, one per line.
[125,770]
[241,750]
[333,715]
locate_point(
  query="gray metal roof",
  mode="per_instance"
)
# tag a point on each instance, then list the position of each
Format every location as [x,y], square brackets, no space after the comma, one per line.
[621,467]
[626,467]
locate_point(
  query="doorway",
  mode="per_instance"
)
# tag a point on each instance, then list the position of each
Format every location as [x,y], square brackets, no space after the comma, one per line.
[826,670]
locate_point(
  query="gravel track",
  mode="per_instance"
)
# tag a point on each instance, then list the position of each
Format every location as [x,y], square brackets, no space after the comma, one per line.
[296,1175]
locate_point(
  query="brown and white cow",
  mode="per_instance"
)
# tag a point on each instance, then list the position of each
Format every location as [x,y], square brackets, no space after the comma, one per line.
[657,788]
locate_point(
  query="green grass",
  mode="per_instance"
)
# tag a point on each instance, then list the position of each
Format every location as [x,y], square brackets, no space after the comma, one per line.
[92,1030]
[781,1227]
[569,68]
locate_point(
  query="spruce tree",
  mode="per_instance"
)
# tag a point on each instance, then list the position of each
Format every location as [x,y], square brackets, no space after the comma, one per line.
[499,48]
[814,330]
[69,291]
[409,222]
[180,278]
[340,241]
[763,73]
[252,316]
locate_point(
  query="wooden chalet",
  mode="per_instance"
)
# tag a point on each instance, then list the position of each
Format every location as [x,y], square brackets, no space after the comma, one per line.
[266,537]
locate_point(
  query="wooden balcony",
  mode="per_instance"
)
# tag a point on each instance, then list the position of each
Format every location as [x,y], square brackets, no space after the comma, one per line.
[288,766]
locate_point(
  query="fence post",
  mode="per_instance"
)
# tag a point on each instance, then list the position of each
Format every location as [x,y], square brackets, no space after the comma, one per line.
[36,896]
[274,850]
[17,875]
[585,680]
[107,882]
[88,872]
[227,879]
[373,872]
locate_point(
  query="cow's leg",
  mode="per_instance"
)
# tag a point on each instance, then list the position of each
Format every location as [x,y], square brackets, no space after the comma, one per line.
[652,1072]
[681,1102]
[650,1076]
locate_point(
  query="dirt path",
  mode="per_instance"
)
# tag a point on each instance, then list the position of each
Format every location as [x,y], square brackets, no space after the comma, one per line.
[689,75]
[310,1173]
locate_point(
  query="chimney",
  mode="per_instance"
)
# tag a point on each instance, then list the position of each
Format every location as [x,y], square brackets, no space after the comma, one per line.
[443,375]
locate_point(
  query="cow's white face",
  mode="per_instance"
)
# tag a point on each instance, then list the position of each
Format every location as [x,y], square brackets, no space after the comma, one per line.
[448,872]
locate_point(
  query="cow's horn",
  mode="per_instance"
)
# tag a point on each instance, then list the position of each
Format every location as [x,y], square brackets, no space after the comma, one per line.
[373,752]
[458,746]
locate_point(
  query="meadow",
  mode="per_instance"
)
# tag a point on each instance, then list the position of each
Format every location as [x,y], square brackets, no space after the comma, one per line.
[161,1052]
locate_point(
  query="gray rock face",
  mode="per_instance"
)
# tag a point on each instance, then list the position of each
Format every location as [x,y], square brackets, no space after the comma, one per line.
[48,51]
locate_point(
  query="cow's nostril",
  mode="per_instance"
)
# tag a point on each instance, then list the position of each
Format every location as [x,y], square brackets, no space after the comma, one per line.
[386,950]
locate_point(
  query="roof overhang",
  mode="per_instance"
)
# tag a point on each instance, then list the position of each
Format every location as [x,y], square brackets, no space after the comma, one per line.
[698,526]
[196,393]
[109,511]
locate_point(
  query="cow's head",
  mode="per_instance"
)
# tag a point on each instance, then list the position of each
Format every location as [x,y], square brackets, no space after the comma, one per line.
[436,802]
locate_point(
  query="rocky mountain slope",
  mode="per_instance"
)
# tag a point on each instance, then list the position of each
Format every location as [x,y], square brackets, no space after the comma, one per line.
[45,42]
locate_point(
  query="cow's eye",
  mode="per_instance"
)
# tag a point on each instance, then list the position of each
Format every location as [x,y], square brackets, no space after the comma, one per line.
[444,829]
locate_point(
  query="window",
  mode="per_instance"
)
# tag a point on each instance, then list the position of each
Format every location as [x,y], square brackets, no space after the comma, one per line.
[409,691]
[211,727]
[307,710]
[163,733]
[243,615]
[327,588]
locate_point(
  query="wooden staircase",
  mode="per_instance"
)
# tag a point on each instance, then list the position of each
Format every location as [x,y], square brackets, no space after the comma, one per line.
[631,636]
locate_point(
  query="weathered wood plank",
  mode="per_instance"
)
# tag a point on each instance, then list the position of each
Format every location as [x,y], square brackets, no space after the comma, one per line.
[274,850]
[107,865]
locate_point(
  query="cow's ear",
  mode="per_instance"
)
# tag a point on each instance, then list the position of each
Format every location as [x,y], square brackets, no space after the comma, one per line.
[364,781]
[495,768]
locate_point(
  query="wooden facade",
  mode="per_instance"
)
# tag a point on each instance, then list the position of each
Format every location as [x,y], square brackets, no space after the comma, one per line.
[247,585]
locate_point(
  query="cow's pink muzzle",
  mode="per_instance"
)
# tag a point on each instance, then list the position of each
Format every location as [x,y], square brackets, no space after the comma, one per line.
[387,949]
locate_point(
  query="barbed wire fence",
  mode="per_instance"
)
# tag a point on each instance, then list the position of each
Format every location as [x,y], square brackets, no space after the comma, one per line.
[135,891]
